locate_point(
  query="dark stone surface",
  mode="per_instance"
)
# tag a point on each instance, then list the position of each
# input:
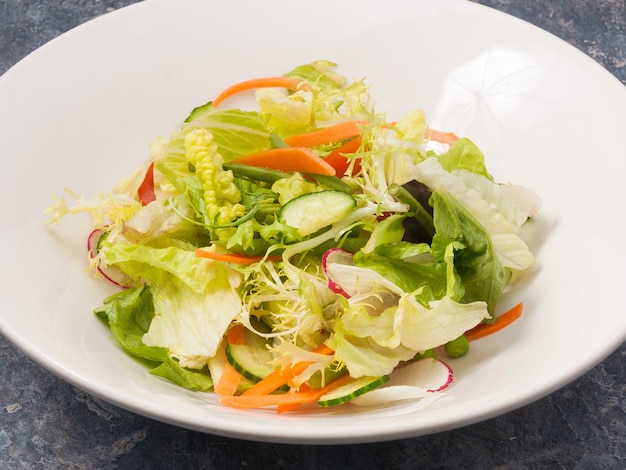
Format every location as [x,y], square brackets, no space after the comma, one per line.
[47,423]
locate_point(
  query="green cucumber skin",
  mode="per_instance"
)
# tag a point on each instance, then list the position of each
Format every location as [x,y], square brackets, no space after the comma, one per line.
[329,374]
[245,360]
[350,391]
[199,111]
[313,211]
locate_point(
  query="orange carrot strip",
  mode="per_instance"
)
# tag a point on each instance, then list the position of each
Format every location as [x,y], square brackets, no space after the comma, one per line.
[340,163]
[280,377]
[501,321]
[297,159]
[323,349]
[228,382]
[441,137]
[236,334]
[326,135]
[276,379]
[266,82]
[257,401]
[292,406]
[234,257]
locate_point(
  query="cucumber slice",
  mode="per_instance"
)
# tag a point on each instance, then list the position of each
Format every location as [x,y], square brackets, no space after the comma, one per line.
[253,362]
[312,211]
[251,359]
[321,377]
[244,385]
[200,111]
[352,390]
[216,367]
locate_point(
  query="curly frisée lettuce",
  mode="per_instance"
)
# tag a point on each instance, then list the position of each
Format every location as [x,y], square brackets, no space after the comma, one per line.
[315,280]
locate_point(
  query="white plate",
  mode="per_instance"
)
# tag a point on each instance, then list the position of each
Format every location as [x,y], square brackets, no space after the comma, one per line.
[81,111]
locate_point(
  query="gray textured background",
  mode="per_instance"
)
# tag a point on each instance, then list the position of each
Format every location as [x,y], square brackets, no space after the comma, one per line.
[47,423]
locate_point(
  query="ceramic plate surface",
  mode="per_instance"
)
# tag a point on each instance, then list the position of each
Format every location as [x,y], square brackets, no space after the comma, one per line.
[81,111]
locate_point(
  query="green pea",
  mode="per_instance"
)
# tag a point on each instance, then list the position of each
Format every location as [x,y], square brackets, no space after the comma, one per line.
[428,353]
[457,347]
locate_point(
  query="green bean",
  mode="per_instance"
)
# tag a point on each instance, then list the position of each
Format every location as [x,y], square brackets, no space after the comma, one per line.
[332,182]
[256,173]
[267,175]
[276,142]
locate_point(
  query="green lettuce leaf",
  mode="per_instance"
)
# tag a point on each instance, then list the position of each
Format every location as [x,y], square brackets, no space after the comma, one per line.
[155,265]
[194,299]
[412,325]
[128,315]
[236,133]
[364,357]
[191,324]
[197,380]
[370,344]
[483,275]
[165,222]
[320,73]
[503,234]
[428,281]
[464,155]
[389,231]
[331,97]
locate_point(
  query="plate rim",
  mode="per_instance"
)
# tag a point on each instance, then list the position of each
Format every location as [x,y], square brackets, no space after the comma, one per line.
[21,342]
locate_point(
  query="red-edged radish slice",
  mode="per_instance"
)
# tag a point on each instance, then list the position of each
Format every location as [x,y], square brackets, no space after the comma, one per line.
[92,241]
[336,256]
[348,280]
[110,273]
[434,375]
[414,381]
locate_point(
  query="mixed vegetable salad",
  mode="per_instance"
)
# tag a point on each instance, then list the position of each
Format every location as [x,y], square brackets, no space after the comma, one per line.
[308,250]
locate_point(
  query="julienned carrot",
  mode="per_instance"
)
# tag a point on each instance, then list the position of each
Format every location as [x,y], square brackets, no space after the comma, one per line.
[280,377]
[441,137]
[236,334]
[282,400]
[326,135]
[339,162]
[234,257]
[265,82]
[501,321]
[292,406]
[323,349]
[228,382]
[276,379]
[298,159]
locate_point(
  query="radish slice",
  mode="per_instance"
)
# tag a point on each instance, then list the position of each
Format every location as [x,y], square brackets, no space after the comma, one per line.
[336,256]
[431,374]
[110,273]
[415,381]
[92,242]
[349,280]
